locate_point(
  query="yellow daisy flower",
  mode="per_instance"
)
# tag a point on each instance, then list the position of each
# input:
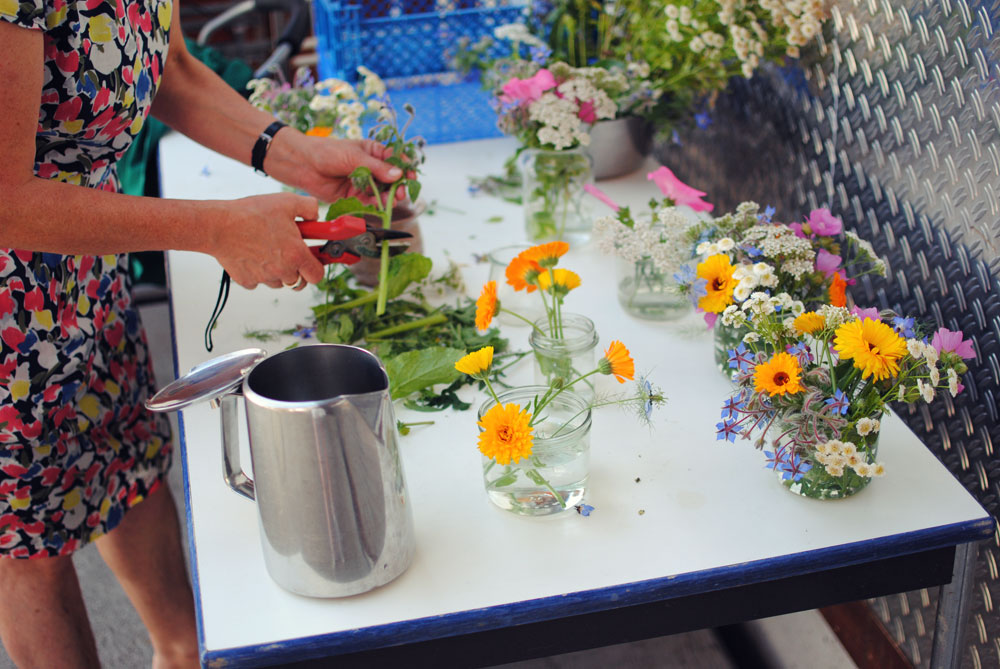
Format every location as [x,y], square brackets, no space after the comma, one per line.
[565,281]
[809,322]
[874,346]
[476,364]
[778,376]
[717,271]
[506,434]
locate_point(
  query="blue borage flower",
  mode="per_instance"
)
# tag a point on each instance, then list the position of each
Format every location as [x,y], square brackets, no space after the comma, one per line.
[789,464]
[702,120]
[727,429]
[540,54]
[741,358]
[304,332]
[838,403]
[767,215]
[731,409]
[801,352]
[752,251]
[904,326]
[648,408]
[584,509]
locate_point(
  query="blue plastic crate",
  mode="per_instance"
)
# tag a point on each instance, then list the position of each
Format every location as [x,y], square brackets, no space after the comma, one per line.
[408,47]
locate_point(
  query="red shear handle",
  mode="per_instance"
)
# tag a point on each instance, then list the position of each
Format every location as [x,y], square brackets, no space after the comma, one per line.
[344,227]
[327,259]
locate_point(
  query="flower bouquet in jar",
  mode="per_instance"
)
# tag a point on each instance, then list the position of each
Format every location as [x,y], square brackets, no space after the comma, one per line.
[535,440]
[563,344]
[550,110]
[653,246]
[812,387]
[747,251]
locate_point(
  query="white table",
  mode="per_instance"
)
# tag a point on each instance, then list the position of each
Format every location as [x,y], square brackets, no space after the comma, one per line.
[687,531]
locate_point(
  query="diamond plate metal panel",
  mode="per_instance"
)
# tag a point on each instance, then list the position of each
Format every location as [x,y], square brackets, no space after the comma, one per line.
[895,125]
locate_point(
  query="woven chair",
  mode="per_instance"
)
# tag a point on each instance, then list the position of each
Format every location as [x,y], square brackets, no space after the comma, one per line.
[895,126]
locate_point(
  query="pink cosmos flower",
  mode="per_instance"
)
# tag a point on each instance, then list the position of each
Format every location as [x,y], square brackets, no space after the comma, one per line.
[824,223]
[946,340]
[600,195]
[522,91]
[870,313]
[678,191]
[827,262]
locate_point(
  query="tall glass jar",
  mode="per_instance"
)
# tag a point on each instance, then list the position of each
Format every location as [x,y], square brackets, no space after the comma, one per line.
[564,351]
[836,468]
[646,291]
[555,206]
[553,479]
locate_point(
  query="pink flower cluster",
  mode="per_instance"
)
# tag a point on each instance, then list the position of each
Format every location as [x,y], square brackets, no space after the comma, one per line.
[669,185]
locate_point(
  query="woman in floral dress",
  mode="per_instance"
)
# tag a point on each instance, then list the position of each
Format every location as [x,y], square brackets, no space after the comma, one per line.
[78,452]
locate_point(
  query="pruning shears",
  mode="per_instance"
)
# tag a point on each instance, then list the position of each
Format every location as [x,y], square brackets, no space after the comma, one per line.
[349,239]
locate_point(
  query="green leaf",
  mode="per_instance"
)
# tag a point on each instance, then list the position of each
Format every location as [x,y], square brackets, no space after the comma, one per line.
[413,371]
[413,189]
[361,172]
[404,269]
[505,480]
[495,219]
[349,205]
[402,428]
[345,332]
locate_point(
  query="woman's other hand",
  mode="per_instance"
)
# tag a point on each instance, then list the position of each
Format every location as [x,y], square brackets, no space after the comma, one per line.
[257,241]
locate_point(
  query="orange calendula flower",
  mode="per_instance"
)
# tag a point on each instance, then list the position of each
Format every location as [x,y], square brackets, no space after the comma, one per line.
[487,306]
[561,281]
[320,131]
[838,291]
[778,376]
[522,274]
[717,271]
[546,255]
[618,361]
[506,434]
[476,364]
[809,322]
[874,346]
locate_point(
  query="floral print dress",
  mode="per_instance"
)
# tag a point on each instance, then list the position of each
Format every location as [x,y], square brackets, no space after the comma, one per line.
[77,447]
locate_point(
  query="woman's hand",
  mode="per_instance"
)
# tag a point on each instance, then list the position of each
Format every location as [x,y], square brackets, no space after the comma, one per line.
[257,241]
[325,165]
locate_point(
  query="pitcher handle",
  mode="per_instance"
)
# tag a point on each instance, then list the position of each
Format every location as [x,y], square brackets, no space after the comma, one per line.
[234,474]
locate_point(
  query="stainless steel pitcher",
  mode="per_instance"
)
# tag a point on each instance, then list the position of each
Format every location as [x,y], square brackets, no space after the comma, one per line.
[334,512]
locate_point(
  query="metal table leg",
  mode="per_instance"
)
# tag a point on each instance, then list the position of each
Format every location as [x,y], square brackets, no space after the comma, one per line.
[954,604]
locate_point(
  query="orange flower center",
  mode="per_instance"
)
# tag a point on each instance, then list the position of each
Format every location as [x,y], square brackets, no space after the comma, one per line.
[780,379]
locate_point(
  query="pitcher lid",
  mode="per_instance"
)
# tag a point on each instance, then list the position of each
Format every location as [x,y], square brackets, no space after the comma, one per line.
[207,381]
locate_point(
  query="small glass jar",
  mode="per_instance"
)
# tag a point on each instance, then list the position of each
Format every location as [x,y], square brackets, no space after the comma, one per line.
[555,204]
[553,479]
[725,339]
[565,351]
[521,302]
[647,292]
[837,478]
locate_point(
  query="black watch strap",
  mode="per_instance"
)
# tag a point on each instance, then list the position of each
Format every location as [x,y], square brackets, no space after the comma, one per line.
[262,144]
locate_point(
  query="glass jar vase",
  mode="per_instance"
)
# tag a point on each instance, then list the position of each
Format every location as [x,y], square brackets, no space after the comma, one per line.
[563,351]
[527,305]
[553,479]
[554,201]
[832,468]
[725,339]
[647,292]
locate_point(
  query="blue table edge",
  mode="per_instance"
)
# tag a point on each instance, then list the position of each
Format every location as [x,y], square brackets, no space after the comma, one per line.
[587,601]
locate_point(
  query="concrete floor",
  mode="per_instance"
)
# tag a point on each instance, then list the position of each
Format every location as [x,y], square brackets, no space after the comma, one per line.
[801,640]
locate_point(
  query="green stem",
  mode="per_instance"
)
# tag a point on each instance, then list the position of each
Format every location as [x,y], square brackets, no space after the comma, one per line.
[433,319]
[541,479]
[516,315]
[383,274]
[493,393]
[325,309]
